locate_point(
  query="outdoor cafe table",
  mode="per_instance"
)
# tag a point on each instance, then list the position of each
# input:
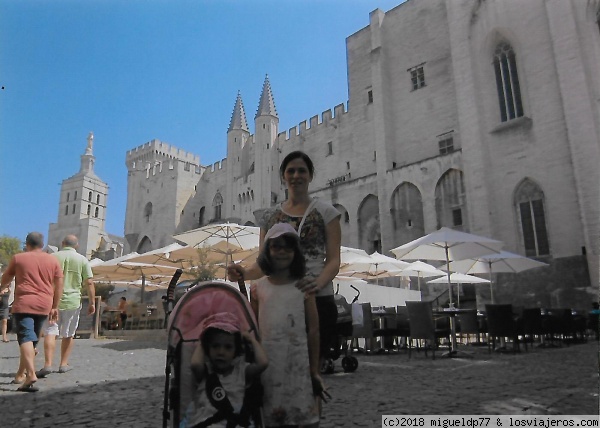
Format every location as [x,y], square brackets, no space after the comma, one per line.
[452,313]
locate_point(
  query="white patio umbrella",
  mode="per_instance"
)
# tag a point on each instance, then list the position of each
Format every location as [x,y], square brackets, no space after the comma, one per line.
[503,261]
[186,257]
[245,237]
[349,254]
[234,235]
[421,270]
[130,271]
[448,245]
[459,278]
[373,266]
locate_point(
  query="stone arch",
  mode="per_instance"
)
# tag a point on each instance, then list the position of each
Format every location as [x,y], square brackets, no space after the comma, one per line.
[451,202]
[529,201]
[344,224]
[201,217]
[407,213]
[369,230]
[145,245]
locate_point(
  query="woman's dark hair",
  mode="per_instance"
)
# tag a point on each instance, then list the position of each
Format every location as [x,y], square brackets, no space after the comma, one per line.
[298,265]
[297,155]
[211,332]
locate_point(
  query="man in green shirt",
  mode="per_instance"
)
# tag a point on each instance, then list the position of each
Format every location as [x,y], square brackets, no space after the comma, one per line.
[77,272]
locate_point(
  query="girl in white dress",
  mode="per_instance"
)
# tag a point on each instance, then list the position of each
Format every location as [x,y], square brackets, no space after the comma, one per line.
[289,327]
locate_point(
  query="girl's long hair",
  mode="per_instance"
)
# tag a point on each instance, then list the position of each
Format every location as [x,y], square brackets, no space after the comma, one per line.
[297,267]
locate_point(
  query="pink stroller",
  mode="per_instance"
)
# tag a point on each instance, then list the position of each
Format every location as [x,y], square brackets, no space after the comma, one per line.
[200,301]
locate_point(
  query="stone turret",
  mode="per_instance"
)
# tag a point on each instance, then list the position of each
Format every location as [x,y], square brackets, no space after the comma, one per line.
[238,162]
[265,136]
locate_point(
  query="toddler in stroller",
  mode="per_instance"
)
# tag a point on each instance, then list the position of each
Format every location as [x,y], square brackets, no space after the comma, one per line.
[213,360]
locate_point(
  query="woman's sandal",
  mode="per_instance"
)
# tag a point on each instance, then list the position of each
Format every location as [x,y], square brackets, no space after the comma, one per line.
[29,387]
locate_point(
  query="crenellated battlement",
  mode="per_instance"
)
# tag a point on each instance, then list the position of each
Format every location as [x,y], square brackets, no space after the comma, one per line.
[157,149]
[316,123]
[216,168]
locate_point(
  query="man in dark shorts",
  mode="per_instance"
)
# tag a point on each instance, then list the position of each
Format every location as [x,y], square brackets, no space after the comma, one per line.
[38,288]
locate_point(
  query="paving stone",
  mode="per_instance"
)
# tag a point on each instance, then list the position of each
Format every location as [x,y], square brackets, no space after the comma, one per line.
[121,383]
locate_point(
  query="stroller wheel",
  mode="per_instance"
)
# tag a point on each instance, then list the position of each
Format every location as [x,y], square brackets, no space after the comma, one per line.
[349,364]
[328,366]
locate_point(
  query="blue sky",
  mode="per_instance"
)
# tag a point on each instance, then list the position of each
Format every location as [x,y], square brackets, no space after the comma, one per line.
[131,71]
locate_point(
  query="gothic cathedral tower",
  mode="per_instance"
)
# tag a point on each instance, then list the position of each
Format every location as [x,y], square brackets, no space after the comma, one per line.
[82,206]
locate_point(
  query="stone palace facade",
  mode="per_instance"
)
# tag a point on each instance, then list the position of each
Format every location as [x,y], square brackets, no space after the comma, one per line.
[479,115]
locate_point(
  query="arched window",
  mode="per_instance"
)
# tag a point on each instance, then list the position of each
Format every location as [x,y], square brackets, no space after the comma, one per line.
[201,217]
[529,203]
[148,211]
[98,199]
[97,213]
[66,210]
[90,196]
[68,195]
[407,213]
[217,202]
[507,82]
[89,209]
[73,211]
[450,201]
[75,198]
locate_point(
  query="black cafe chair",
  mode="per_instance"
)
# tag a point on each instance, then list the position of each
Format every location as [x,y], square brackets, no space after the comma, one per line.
[402,331]
[467,323]
[532,328]
[501,324]
[423,326]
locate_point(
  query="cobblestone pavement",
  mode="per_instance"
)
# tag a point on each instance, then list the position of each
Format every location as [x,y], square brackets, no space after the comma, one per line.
[121,383]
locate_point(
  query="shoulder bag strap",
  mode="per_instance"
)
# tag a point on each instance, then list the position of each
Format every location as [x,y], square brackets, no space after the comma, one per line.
[308,210]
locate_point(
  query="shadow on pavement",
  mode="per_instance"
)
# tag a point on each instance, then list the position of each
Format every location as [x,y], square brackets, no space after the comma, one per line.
[129,345]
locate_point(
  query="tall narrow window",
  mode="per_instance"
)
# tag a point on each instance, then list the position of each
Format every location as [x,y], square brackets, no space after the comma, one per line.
[530,207]
[73,210]
[507,82]
[90,196]
[97,213]
[148,211]
[417,77]
[67,210]
[329,148]
[201,217]
[68,195]
[89,209]
[217,202]
[75,198]
[98,199]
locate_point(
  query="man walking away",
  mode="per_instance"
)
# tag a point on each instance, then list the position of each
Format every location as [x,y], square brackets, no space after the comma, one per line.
[77,272]
[38,288]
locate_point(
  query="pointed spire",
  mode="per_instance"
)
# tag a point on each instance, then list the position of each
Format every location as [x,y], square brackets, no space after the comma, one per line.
[238,118]
[266,107]
[88,159]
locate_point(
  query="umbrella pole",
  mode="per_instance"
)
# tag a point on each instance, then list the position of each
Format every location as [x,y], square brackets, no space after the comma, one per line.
[419,281]
[143,287]
[448,274]
[452,323]
[491,283]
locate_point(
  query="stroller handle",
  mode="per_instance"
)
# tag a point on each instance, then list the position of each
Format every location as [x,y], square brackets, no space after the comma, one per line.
[357,291]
